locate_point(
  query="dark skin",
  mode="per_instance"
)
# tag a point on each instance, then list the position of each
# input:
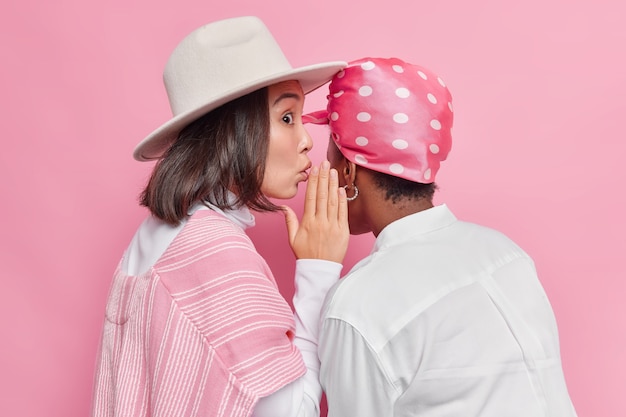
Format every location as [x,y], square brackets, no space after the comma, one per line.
[370,211]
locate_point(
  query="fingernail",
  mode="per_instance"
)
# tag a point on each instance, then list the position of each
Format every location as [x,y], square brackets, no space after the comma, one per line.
[325,165]
[314,170]
[333,173]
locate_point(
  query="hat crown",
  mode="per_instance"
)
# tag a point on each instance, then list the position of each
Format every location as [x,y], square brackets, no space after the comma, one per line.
[217,58]
[220,62]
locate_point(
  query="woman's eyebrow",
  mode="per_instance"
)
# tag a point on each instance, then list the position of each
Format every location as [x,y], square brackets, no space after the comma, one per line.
[285,96]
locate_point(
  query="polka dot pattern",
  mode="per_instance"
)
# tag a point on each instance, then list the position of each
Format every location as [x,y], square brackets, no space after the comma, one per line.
[361,141]
[365,91]
[360,159]
[400,144]
[403,92]
[400,118]
[363,117]
[390,116]
[396,168]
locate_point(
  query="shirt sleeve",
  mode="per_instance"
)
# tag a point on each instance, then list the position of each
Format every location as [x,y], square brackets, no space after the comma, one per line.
[301,398]
[351,374]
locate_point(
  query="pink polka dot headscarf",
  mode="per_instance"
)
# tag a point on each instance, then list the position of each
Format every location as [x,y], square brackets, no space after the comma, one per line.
[390,116]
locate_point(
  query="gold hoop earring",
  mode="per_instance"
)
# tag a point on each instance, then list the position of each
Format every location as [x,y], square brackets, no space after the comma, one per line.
[356,192]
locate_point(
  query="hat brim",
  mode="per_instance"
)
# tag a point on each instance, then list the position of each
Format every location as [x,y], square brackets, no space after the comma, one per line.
[310,77]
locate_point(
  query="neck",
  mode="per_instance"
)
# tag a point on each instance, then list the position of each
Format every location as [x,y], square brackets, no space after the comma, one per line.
[390,212]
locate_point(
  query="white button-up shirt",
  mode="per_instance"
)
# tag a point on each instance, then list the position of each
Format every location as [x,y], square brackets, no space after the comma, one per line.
[443,318]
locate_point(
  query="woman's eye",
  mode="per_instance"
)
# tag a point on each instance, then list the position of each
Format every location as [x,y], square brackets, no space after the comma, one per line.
[288,118]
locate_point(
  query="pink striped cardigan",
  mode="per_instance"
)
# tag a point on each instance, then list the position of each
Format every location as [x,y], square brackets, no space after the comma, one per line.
[205,332]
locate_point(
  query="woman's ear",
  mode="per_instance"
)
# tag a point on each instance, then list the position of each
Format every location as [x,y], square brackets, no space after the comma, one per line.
[349,172]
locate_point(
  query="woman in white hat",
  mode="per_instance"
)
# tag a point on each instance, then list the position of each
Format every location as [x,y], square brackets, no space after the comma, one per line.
[195,324]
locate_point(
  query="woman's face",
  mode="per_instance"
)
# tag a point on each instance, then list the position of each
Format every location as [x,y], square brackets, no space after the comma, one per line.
[289,143]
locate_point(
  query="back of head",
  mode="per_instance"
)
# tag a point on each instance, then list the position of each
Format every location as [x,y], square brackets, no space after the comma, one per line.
[390,116]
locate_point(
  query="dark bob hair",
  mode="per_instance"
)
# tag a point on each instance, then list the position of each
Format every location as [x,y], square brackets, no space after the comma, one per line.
[223,150]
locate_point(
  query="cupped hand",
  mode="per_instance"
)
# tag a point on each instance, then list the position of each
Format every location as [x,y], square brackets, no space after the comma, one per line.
[323,232]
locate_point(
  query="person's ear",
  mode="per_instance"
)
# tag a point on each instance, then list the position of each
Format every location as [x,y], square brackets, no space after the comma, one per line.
[349,172]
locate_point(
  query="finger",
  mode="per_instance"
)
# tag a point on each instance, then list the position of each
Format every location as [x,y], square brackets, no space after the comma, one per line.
[291,220]
[322,190]
[333,195]
[311,193]
[342,207]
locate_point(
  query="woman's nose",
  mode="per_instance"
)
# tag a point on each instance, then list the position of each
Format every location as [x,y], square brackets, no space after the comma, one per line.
[307,141]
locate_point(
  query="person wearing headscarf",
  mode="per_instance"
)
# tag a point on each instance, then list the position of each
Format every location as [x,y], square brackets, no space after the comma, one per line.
[444,317]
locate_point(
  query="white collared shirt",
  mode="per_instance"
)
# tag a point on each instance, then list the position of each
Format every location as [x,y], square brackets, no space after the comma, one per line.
[443,318]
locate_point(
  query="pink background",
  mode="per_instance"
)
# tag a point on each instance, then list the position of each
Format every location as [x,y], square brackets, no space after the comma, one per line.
[539,88]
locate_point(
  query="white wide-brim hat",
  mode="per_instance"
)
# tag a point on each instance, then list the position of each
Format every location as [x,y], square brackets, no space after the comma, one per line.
[220,62]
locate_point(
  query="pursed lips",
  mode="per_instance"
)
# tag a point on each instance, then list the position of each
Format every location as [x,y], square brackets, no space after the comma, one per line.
[305,171]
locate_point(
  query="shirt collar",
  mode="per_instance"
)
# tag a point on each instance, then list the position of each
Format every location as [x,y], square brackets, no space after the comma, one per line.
[408,227]
[241,215]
